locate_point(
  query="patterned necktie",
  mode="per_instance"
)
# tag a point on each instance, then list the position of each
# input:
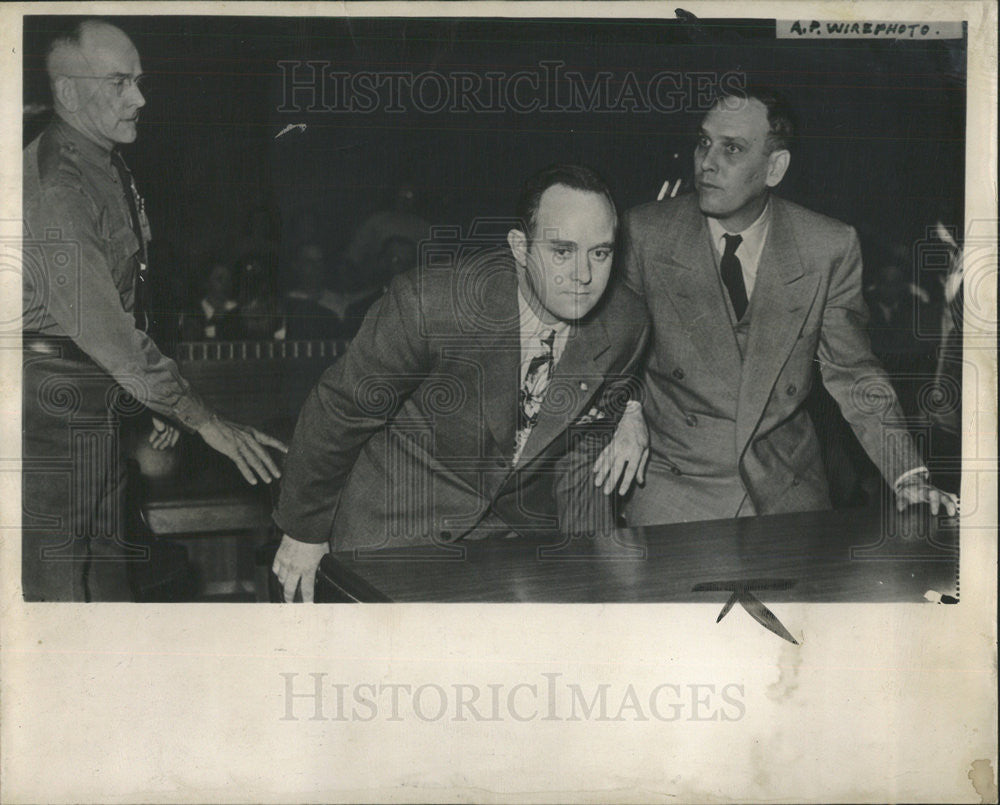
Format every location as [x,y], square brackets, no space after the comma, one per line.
[536,383]
[732,275]
[142,310]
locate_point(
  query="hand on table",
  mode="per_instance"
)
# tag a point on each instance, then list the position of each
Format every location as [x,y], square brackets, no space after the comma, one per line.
[918,490]
[245,446]
[625,458]
[296,562]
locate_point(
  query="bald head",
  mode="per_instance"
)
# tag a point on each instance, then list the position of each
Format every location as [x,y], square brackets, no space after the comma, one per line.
[86,49]
[93,72]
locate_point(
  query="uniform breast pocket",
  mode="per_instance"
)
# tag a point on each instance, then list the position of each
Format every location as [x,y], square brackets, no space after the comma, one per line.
[122,244]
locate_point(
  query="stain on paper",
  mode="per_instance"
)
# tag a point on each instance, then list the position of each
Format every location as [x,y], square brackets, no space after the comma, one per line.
[788,679]
[983,780]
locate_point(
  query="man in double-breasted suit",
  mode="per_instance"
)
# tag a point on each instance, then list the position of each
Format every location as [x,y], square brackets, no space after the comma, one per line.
[748,293]
[474,401]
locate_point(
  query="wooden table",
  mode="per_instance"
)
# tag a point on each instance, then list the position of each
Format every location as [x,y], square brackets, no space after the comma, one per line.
[870,554]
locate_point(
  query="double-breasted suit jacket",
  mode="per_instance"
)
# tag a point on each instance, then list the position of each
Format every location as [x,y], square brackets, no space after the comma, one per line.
[725,404]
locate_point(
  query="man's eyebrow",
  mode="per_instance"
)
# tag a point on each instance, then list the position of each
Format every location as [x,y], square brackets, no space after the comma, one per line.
[724,138]
[564,244]
[605,245]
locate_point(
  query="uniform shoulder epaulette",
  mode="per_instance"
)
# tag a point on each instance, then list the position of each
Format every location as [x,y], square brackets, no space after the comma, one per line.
[57,161]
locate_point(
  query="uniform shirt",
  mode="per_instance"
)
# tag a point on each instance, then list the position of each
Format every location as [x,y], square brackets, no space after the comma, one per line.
[79,269]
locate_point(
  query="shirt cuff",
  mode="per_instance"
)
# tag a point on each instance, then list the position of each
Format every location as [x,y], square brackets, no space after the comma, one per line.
[191,412]
[921,469]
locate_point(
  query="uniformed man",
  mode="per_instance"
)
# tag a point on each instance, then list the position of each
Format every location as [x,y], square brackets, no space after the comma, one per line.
[84,280]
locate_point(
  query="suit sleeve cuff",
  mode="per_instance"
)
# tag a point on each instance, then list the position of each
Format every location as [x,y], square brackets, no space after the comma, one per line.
[293,530]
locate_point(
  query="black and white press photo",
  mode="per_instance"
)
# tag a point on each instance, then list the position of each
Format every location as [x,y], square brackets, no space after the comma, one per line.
[672,330]
[314,299]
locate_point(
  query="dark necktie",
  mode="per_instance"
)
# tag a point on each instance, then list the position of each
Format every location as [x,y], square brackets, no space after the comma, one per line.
[732,275]
[142,311]
[536,383]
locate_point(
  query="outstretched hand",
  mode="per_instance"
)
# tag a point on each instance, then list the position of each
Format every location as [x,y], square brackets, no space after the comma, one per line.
[245,447]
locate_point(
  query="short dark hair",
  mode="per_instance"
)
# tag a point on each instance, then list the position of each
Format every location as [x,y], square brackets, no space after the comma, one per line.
[782,130]
[577,177]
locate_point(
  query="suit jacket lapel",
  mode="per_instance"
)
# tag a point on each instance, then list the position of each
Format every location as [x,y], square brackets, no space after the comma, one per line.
[499,348]
[782,297]
[696,293]
[577,377]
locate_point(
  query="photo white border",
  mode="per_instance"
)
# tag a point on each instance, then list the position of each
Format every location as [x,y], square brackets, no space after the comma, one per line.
[183,703]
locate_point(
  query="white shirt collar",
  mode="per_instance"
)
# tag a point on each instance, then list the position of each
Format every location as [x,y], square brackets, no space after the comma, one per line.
[753,235]
[531,324]
[533,328]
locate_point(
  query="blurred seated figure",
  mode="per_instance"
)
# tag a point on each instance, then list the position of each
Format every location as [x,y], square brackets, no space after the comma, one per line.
[896,306]
[397,255]
[260,311]
[401,220]
[948,371]
[216,317]
[358,291]
[261,235]
[309,306]
[945,403]
[900,312]
[169,277]
[303,227]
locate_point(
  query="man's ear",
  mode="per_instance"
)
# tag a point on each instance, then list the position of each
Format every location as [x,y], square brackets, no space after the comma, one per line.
[518,243]
[65,94]
[777,165]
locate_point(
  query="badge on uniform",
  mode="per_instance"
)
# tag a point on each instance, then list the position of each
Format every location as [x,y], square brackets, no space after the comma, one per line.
[147,234]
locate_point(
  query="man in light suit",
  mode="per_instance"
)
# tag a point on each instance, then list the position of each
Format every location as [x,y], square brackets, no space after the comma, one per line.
[747,292]
[474,400]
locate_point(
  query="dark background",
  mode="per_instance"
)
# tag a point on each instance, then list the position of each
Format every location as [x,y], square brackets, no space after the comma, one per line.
[882,147]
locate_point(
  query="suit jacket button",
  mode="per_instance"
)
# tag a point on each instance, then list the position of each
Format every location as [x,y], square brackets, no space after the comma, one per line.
[691,420]
[795,482]
[675,470]
[445,535]
[679,374]
[791,389]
